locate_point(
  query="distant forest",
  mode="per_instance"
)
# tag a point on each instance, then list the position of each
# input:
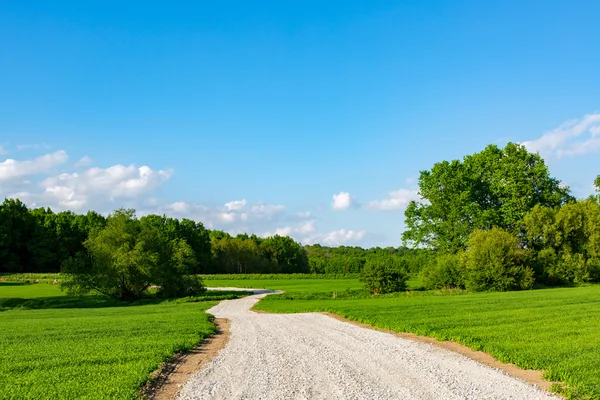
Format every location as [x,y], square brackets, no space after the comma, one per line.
[40,240]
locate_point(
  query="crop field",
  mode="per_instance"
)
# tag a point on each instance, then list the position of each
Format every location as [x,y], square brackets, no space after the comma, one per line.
[66,348]
[554,330]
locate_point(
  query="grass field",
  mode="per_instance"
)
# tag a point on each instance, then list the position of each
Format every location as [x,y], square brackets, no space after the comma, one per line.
[301,286]
[555,330]
[89,348]
[49,349]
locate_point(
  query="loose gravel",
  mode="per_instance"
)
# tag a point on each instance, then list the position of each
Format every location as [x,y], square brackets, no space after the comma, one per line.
[313,356]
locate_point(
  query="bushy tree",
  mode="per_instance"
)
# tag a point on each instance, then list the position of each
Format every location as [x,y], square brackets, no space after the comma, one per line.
[446,272]
[383,275]
[493,188]
[494,261]
[123,259]
[566,242]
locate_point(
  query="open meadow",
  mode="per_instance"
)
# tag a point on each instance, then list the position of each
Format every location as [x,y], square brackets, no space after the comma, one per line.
[554,330]
[57,346]
[54,346]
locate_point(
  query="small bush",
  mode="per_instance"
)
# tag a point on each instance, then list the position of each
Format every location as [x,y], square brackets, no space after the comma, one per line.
[383,275]
[447,272]
[494,261]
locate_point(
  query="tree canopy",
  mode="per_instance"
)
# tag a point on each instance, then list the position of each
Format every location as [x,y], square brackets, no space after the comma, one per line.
[124,258]
[494,188]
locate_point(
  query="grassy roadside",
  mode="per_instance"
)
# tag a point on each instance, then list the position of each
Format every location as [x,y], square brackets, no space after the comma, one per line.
[554,330]
[59,347]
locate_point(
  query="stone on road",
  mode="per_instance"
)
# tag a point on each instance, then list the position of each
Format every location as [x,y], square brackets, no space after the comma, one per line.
[313,356]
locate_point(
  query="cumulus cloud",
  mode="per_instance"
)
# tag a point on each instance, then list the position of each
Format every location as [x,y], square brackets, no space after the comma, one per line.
[298,232]
[341,201]
[573,138]
[101,189]
[84,161]
[336,238]
[233,216]
[306,233]
[397,200]
[11,169]
[80,190]
[235,205]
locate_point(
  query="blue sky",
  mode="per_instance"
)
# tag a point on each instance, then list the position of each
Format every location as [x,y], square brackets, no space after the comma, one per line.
[305,118]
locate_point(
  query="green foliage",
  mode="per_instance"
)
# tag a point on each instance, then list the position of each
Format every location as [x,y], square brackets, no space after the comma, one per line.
[193,233]
[553,330]
[348,260]
[447,272]
[493,188]
[245,254]
[494,261]
[39,240]
[127,256]
[566,242]
[383,275]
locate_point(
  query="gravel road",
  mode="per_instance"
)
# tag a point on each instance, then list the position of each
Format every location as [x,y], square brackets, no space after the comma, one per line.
[312,356]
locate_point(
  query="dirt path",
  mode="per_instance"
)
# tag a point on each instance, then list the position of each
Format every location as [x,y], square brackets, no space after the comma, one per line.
[313,356]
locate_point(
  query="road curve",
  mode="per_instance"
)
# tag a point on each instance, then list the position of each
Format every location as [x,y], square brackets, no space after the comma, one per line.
[313,356]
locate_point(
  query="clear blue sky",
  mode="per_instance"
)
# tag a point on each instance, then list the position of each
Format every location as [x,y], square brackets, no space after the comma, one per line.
[252,115]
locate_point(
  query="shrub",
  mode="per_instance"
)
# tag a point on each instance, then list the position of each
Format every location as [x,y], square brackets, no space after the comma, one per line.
[447,272]
[494,261]
[383,275]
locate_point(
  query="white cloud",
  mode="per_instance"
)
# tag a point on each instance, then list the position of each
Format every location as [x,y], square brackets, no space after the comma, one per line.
[84,161]
[336,238]
[235,205]
[232,216]
[227,217]
[307,227]
[286,231]
[95,188]
[80,189]
[179,207]
[3,151]
[267,210]
[299,232]
[398,199]
[12,169]
[341,201]
[573,138]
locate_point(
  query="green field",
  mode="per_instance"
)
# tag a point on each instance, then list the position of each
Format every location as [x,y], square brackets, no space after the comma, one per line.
[555,330]
[56,346]
[300,286]
[92,347]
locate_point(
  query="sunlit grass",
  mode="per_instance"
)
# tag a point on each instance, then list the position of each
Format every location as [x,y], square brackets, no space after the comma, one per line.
[90,347]
[554,330]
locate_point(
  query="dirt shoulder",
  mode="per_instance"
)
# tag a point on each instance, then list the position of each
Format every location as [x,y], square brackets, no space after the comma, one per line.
[169,379]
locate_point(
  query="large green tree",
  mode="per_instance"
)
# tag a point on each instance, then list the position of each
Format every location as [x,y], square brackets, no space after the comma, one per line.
[496,187]
[123,259]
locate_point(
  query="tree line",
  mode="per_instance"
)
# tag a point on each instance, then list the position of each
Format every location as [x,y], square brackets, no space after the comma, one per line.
[40,240]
